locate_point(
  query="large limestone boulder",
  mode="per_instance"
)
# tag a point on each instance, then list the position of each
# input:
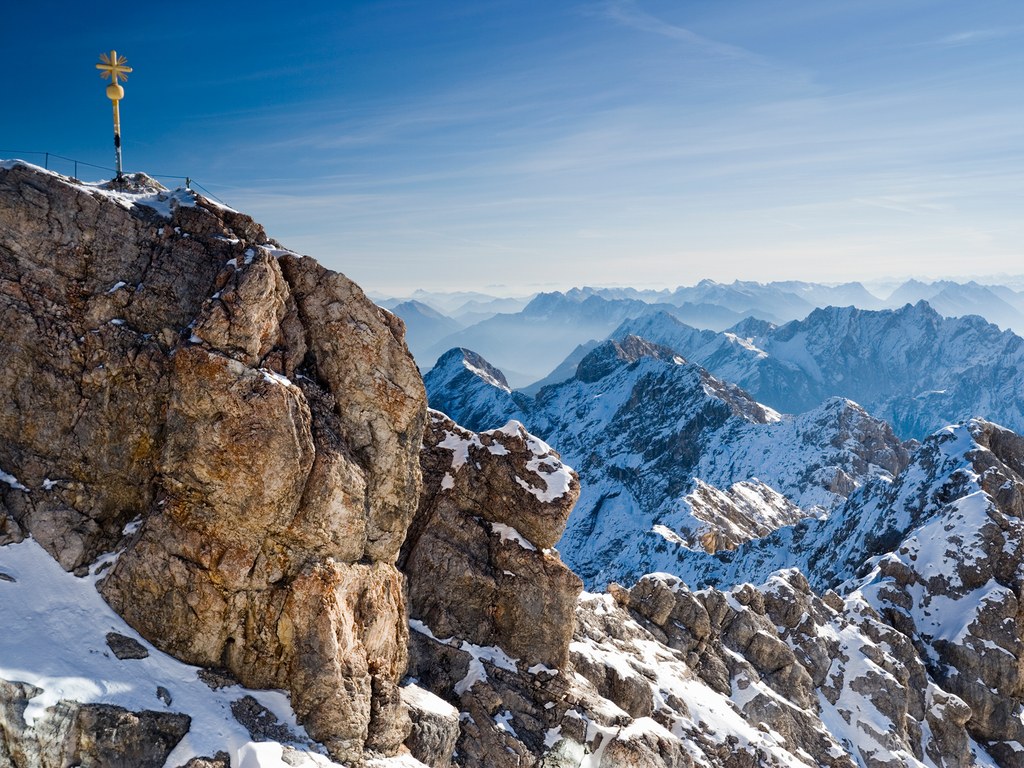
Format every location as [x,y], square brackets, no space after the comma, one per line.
[478,556]
[491,604]
[254,416]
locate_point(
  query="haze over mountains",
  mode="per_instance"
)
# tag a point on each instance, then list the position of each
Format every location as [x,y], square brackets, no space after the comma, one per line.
[527,337]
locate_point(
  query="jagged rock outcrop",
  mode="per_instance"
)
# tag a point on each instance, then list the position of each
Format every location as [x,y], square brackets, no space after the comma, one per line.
[166,362]
[71,733]
[606,357]
[653,676]
[775,674]
[478,556]
[489,599]
[659,676]
[937,554]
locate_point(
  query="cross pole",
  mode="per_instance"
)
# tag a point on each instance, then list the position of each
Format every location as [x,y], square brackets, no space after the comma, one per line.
[114,68]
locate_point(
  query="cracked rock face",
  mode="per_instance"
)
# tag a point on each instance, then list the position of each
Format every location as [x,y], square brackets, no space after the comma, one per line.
[489,600]
[478,557]
[253,411]
[84,734]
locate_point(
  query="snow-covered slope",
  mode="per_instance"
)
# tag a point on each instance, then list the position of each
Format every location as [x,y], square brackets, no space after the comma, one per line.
[475,390]
[671,457]
[60,637]
[910,366]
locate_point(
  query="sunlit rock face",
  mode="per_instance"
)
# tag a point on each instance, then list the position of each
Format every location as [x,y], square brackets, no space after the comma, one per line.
[253,413]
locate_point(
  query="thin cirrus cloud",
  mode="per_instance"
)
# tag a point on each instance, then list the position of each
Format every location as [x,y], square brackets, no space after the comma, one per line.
[646,145]
[629,14]
[975,36]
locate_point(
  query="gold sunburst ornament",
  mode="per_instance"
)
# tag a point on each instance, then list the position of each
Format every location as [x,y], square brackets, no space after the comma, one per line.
[115,68]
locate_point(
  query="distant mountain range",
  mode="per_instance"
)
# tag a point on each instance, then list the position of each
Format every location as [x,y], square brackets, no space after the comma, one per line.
[527,345]
[527,337]
[910,366]
[673,457]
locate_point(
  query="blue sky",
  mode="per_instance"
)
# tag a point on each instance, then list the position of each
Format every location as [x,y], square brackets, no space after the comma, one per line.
[543,145]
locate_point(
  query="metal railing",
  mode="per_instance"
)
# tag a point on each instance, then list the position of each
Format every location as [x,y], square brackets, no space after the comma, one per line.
[48,156]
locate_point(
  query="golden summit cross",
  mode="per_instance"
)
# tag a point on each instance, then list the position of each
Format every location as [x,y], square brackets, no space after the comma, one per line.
[114,68]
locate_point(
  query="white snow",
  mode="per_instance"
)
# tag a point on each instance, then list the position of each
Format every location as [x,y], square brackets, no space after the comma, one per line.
[12,481]
[552,736]
[276,378]
[545,464]
[162,202]
[426,701]
[508,533]
[478,653]
[459,446]
[503,720]
[54,637]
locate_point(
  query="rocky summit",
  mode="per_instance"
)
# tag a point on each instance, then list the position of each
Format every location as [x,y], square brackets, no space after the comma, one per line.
[242,426]
[233,534]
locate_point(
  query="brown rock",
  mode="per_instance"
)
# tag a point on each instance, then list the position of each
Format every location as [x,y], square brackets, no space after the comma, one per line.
[360,356]
[255,411]
[478,579]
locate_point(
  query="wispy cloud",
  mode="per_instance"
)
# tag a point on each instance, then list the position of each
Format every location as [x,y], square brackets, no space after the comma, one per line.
[628,13]
[975,36]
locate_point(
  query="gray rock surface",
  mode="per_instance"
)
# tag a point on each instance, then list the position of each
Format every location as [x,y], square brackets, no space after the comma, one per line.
[126,647]
[435,727]
[86,735]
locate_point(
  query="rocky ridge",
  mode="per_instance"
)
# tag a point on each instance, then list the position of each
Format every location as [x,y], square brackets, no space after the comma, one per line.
[674,459]
[659,674]
[937,554]
[910,366]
